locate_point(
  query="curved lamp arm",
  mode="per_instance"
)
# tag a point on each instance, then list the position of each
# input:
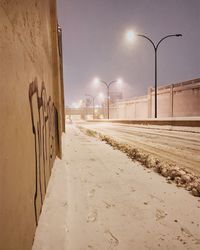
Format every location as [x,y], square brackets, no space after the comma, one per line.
[156,46]
[146,37]
[176,35]
[112,82]
[107,85]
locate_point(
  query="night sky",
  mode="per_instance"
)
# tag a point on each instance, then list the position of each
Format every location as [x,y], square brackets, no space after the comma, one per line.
[94,43]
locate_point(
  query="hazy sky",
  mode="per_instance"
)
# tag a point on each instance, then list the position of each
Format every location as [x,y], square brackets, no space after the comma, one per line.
[94,43]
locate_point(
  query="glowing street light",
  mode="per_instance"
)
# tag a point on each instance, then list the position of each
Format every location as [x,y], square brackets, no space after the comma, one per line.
[119,81]
[96,80]
[101,95]
[130,36]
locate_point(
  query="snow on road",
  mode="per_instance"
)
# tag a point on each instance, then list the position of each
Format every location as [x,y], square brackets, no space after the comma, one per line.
[99,199]
[178,147]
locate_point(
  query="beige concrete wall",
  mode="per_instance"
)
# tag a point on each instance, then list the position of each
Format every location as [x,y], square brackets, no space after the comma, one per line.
[174,100]
[31,115]
[188,97]
[84,113]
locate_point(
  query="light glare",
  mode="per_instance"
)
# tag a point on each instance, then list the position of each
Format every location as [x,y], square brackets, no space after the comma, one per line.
[119,81]
[130,36]
[96,80]
[101,95]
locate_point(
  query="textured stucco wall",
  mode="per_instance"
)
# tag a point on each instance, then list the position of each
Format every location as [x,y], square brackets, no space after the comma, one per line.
[177,100]
[186,100]
[31,121]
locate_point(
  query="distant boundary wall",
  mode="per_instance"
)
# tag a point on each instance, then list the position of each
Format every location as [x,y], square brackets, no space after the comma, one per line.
[84,112]
[178,122]
[174,100]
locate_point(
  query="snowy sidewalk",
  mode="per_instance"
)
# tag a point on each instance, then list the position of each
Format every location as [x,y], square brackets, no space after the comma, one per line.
[99,199]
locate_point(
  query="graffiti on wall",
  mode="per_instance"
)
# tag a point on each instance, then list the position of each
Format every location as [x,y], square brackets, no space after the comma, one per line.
[44,117]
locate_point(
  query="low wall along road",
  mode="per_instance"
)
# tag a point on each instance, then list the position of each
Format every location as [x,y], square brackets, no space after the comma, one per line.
[174,100]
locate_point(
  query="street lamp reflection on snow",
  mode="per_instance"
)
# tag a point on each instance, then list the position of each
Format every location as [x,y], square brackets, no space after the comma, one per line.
[97,81]
[131,35]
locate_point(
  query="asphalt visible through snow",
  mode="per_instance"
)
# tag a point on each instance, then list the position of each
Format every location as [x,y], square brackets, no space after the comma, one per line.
[169,144]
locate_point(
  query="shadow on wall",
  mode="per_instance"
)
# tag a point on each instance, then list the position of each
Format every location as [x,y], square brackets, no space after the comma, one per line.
[44,117]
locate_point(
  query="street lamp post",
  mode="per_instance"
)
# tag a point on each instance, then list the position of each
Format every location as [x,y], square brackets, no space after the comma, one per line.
[108,95]
[131,35]
[93,98]
[108,92]
[155,46]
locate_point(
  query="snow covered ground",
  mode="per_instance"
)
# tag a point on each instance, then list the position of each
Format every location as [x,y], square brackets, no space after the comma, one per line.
[176,145]
[99,199]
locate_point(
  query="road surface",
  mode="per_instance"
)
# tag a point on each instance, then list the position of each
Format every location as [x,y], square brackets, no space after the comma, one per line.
[168,144]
